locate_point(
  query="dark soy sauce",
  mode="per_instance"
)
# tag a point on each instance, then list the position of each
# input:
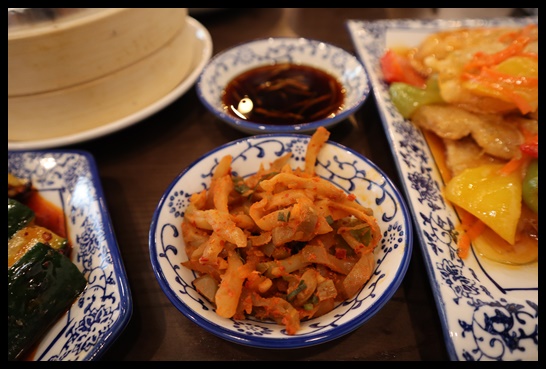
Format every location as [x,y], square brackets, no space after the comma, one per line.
[283,94]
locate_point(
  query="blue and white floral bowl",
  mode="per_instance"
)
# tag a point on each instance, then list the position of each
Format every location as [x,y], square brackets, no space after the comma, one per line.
[223,67]
[70,180]
[488,311]
[341,165]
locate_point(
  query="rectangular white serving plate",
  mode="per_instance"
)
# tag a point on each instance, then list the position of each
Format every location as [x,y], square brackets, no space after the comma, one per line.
[70,180]
[488,311]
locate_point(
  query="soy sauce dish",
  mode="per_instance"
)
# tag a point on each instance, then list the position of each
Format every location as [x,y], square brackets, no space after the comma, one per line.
[283,85]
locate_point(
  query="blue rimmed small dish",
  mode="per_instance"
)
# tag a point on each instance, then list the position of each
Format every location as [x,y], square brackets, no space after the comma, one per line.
[343,67]
[341,165]
[70,180]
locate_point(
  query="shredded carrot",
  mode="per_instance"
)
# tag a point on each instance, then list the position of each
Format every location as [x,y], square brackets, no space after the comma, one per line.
[508,87]
[475,229]
[466,218]
[471,228]
[516,47]
[512,88]
[527,31]
[463,246]
[516,163]
[498,77]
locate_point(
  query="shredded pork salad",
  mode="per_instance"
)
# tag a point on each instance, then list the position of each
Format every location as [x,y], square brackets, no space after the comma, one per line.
[283,244]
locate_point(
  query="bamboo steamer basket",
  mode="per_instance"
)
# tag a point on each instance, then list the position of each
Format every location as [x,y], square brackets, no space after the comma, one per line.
[84,46]
[116,81]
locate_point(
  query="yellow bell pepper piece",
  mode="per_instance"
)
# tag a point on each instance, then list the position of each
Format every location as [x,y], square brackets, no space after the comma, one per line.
[494,199]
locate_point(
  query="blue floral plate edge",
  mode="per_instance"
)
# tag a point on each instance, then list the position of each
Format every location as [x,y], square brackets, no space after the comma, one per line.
[104,309]
[481,318]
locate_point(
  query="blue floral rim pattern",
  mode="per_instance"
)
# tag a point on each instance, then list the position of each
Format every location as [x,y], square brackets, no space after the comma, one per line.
[334,60]
[341,165]
[70,180]
[488,311]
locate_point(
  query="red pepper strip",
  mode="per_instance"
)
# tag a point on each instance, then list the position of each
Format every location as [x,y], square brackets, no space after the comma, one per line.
[530,146]
[530,149]
[397,68]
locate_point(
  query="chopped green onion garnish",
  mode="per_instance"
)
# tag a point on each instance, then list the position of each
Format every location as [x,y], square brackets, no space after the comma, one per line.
[362,235]
[281,218]
[292,295]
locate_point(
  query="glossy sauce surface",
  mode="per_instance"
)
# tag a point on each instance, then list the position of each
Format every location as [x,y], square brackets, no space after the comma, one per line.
[47,214]
[283,94]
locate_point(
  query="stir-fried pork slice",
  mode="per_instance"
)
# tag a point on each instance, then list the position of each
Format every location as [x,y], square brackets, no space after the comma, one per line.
[497,135]
[465,153]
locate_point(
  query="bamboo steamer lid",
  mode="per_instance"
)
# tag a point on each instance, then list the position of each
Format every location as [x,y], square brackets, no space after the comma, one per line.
[92,43]
[102,100]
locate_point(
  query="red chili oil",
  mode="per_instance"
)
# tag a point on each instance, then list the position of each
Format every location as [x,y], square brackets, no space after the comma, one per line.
[47,214]
[283,94]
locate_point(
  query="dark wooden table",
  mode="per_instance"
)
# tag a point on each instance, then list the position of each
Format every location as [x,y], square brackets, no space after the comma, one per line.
[138,163]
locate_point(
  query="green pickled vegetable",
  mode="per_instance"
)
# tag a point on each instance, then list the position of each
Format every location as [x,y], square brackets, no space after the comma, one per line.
[530,186]
[407,98]
[19,216]
[42,285]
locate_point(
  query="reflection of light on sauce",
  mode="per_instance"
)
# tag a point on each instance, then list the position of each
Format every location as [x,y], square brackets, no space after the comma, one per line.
[245,105]
[236,112]
[283,94]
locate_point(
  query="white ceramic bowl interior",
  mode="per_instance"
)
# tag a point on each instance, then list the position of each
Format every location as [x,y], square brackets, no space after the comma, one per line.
[347,169]
[223,67]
